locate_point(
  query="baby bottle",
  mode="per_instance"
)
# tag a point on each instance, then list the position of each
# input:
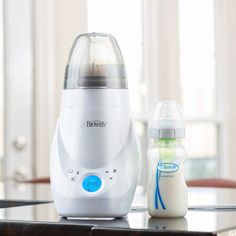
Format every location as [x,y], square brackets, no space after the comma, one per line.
[167,193]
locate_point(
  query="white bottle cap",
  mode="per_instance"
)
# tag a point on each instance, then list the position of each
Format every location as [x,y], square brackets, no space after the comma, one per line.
[167,120]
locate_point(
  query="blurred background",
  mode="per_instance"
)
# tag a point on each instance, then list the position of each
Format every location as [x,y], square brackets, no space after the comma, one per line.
[183,50]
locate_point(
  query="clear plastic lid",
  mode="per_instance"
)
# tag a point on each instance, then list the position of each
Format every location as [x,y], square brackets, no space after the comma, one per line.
[167,120]
[95,61]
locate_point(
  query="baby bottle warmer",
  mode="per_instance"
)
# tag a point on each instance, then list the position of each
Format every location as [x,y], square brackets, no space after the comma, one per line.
[95,152]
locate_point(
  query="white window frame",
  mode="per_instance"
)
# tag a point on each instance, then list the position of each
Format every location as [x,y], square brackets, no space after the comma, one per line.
[226,73]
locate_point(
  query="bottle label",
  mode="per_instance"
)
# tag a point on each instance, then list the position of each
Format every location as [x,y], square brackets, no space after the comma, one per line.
[164,169]
[167,167]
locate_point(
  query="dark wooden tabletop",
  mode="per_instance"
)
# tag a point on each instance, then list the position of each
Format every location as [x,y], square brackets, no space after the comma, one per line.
[42,219]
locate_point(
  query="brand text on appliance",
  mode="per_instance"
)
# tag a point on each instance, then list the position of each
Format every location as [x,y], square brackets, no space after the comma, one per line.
[93,123]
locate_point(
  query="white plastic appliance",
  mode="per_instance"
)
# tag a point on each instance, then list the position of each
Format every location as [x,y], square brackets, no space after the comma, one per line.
[95,153]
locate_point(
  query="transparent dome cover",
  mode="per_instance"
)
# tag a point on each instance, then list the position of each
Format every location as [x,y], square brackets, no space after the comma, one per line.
[167,120]
[95,61]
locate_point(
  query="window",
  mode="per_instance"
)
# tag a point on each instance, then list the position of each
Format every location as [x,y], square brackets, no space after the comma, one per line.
[198,85]
[124,20]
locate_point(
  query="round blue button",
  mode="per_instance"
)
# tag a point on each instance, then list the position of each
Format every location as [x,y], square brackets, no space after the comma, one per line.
[91,183]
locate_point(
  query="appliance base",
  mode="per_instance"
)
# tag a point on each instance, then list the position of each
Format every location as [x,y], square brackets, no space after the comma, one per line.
[97,208]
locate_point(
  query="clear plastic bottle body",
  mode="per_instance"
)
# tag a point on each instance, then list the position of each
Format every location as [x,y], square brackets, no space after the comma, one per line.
[167,191]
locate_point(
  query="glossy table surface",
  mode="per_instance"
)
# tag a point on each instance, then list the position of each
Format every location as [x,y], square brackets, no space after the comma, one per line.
[138,222]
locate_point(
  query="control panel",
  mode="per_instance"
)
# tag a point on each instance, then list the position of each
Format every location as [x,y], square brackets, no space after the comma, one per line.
[92,182]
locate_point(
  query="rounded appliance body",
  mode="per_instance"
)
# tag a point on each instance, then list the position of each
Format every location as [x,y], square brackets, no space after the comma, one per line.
[94,157]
